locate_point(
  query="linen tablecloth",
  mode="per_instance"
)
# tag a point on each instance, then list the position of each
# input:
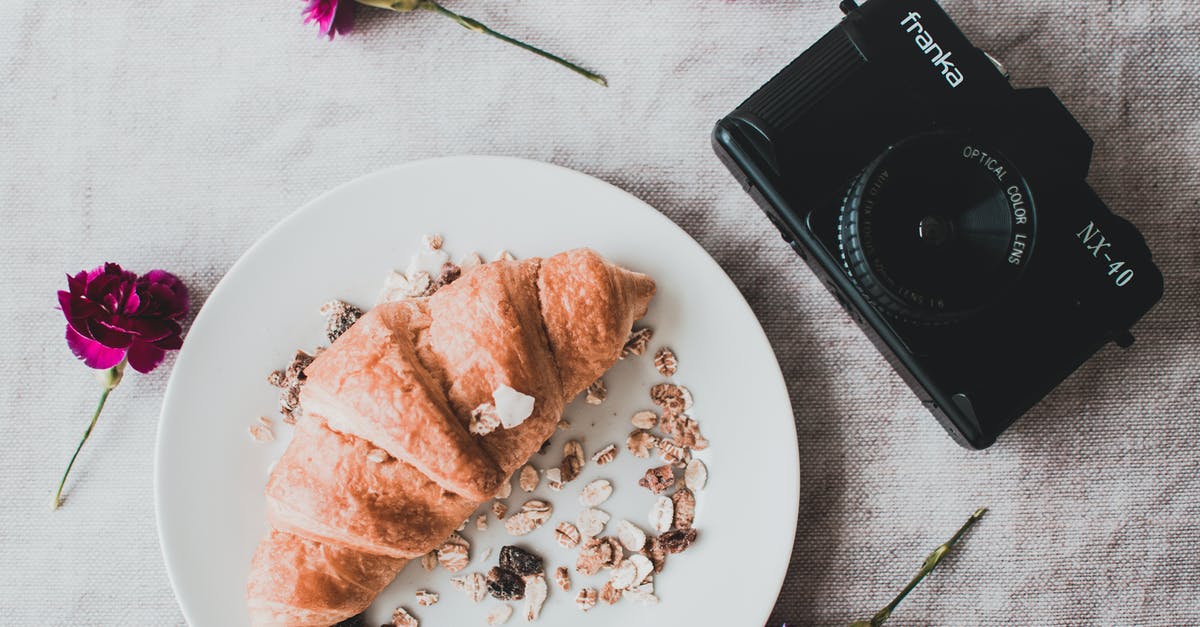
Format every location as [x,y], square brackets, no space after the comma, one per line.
[173,134]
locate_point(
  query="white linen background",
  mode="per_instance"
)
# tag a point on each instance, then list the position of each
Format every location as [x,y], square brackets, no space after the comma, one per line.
[173,134]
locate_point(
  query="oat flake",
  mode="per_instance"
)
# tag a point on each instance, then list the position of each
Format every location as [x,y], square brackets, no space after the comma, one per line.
[429,561]
[596,392]
[641,443]
[685,508]
[474,585]
[535,596]
[401,618]
[567,535]
[665,362]
[529,478]
[500,614]
[631,535]
[532,515]
[591,521]
[662,514]
[623,575]
[595,493]
[696,475]
[605,455]
[644,419]
[553,478]
[610,594]
[562,578]
[637,342]
[586,599]
[426,598]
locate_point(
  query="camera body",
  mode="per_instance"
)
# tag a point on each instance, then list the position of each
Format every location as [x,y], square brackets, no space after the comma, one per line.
[945,210]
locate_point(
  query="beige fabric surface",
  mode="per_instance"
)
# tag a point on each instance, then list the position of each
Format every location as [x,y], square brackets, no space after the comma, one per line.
[174,134]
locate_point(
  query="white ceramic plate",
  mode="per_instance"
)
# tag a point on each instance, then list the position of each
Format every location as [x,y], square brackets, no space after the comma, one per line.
[209,475]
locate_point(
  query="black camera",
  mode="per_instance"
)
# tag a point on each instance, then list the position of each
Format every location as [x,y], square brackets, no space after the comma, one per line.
[945,210]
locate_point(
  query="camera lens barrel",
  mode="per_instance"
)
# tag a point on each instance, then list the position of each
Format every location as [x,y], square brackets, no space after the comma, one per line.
[936,228]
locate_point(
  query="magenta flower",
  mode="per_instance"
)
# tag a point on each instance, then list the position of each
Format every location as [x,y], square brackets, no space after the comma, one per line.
[114,315]
[331,16]
[114,318]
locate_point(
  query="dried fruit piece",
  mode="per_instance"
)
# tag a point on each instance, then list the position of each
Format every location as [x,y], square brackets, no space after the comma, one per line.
[484,419]
[529,478]
[567,535]
[505,585]
[586,599]
[665,362]
[623,575]
[696,475]
[429,561]
[553,478]
[474,584]
[426,597]
[562,578]
[499,509]
[596,392]
[671,398]
[401,618]
[678,540]
[641,442]
[637,342]
[454,554]
[672,453]
[591,521]
[655,552]
[609,593]
[500,614]
[536,592]
[644,419]
[532,515]
[573,460]
[685,508]
[595,493]
[658,479]
[605,455]
[631,535]
[662,514]
[520,561]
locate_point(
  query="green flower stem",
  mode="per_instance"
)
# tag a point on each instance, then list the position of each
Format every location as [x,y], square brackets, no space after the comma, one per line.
[110,379]
[476,26]
[927,567]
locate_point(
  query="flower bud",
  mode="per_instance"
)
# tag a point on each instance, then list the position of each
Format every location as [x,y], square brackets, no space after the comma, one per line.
[111,377]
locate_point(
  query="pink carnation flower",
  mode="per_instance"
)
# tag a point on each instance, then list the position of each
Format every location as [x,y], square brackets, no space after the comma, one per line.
[331,16]
[114,315]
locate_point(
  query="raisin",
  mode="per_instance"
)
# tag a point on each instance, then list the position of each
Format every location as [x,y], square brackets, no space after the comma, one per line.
[505,585]
[520,561]
[677,540]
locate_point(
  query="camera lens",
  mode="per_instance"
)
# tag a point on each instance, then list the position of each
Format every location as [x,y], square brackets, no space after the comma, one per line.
[936,228]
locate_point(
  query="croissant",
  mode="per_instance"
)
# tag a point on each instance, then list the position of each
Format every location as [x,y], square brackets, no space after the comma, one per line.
[399,386]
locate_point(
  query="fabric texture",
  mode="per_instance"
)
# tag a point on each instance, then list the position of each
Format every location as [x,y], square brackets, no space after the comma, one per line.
[168,134]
